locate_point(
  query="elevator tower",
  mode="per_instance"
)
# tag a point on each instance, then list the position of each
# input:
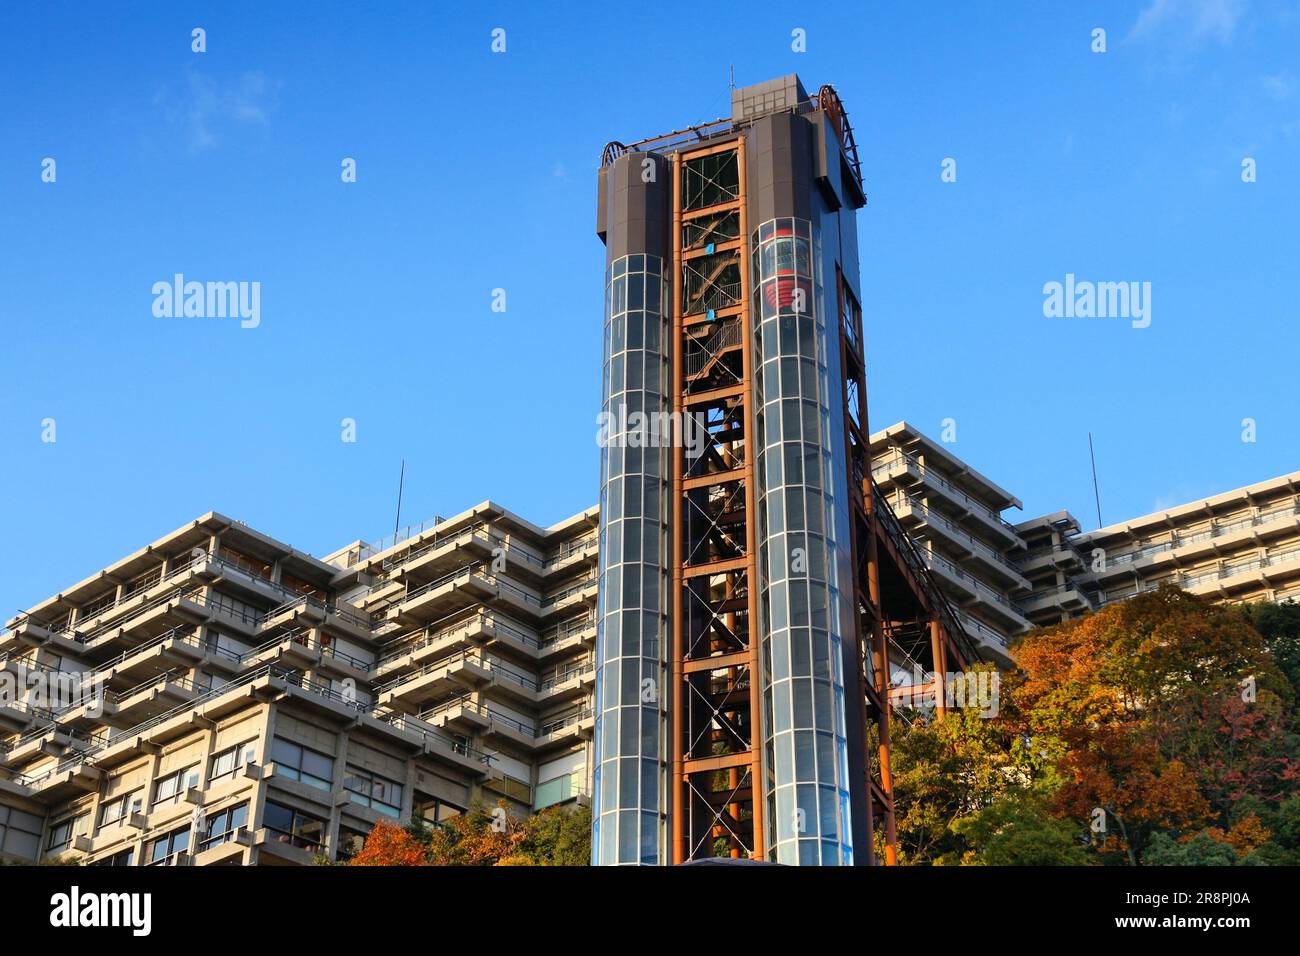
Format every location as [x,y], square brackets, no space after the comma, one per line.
[755,589]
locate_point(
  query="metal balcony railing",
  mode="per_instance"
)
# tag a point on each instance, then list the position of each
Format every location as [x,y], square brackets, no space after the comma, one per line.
[561,723]
[570,548]
[933,517]
[568,592]
[468,657]
[882,465]
[100,741]
[568,629]
[904,545]
[1178,540]
[562,674]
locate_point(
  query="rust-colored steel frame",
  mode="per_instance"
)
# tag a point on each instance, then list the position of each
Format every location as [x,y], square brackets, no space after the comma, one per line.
[872,544]
[879,550]
[699,659]
[872,652]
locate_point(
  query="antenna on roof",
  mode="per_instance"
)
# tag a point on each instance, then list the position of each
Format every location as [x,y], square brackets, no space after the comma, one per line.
[1095,493]
[401,480]
[732,81]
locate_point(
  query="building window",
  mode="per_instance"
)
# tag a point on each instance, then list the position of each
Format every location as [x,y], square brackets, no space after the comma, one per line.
[164,850]
[116,810]
[557,790]
[298,763]
[435,811]
[20,833]
[172,786]
[63,833]
[350,843]
[124,858]
[294,827]
[223,826]
[228,761]
[206,681]
[374,791]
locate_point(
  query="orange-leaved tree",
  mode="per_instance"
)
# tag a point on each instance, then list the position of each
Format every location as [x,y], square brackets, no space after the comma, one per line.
[1158,712]
[391,845]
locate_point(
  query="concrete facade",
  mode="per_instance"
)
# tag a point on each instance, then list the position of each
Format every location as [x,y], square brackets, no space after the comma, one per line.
[1006,578]
[262,706]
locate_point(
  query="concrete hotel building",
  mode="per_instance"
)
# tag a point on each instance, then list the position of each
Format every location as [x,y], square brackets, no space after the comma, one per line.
[264,706]
[1005,578]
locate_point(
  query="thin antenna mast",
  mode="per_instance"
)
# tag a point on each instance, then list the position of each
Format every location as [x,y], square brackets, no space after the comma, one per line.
[1095,493]
[401,480]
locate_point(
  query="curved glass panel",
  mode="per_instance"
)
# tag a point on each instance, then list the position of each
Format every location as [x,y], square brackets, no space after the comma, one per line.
[628,786]
[803,559]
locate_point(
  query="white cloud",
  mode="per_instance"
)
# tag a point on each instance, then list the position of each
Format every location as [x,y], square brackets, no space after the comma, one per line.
[1280,86]
[209,107]
[1191,20]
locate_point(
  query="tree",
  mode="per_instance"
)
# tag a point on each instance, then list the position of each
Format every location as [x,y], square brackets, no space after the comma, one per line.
[945,770]
[1019,830]
[481,836]
[559,836]
[1161,729]
[477,837]
[1201,850]
[1142,707]
[391,845]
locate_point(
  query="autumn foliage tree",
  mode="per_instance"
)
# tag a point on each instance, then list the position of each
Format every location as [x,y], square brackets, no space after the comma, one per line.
[391,845]
[484,836]
[1159,729]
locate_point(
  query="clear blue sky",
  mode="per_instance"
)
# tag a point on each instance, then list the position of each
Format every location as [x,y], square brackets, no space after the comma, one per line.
[477,171]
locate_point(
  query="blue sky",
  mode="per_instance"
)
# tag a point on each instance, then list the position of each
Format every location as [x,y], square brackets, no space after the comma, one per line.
[476,171]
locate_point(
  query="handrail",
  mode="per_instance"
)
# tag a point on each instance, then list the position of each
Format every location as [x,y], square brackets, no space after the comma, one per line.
[333,608]
[465,702]
[907,548]
[410,643]
[980,627]
[935,517]
[897,454]
[567,629]
[568,592]
[94,611]
[167,677]
[566,721]
[479,529]
[560,676]
[109,737]
[570,548]
[184,593]
[403,722]
[467,656]
[52,725]
[150,644]
[1178,540]
[302,638]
